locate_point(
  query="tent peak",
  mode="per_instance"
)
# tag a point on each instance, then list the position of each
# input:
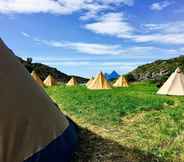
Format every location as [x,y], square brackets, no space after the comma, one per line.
[178,70]
[50,80]
[174,84]
[72,81]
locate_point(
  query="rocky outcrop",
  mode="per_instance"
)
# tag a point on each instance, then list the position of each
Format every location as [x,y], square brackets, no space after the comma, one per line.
[157,71]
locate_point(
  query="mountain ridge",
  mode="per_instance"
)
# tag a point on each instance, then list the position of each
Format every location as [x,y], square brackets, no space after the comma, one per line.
[44,70]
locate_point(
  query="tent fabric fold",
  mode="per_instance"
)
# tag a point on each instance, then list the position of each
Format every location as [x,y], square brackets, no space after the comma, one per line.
[174,85]
[29,120]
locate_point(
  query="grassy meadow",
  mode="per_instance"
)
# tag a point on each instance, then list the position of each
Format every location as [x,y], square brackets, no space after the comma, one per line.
[124,124]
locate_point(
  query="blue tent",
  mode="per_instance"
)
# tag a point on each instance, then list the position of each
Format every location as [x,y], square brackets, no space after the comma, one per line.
[112,76]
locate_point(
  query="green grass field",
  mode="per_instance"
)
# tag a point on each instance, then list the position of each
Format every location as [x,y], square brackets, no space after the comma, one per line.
[132,124]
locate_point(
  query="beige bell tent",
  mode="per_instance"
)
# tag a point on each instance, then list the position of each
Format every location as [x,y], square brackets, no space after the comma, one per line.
[121,82]
[72,82]
[50,81]
[100,83]
[89,82]
[37,78]
[29,120]
[174,85]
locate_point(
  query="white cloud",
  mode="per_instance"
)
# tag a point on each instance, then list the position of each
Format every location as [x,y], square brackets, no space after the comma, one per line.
[117,2]
[113,24]
[168,33]
[172,27]
[175,39]
[111,49]
[160,5]
[92,48]
[58,6]
[25,35]
[116,24]
[89,15]
[89,48]
[102,5]
[30,6]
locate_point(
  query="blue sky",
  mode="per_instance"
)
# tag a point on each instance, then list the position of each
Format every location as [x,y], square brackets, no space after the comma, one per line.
[82,37]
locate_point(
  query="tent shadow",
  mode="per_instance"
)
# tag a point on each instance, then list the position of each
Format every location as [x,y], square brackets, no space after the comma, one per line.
[93,148]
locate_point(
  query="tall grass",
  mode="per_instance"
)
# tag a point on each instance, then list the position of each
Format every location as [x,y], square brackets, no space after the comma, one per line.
[108,106]
[135,116]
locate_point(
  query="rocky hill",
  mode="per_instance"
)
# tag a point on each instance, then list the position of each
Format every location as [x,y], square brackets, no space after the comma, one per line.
[43,71]
[157,71]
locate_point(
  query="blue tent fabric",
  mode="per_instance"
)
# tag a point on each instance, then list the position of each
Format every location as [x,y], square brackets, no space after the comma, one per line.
[106,76]
[114,75]
[59,150]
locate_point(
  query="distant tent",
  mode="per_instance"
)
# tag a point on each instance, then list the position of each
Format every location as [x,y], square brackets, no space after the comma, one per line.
[100,83]
[37,78]
[72,82]
[32,128]
[50,81]
[174,85]
[121,82]
[89,82]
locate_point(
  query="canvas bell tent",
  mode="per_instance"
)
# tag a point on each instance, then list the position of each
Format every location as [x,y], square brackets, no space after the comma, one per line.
[174,85]
[50,81]
[72,82]
[32,128]
[100,83]
[37,78]
[121,82]
[89,82]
